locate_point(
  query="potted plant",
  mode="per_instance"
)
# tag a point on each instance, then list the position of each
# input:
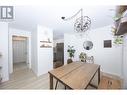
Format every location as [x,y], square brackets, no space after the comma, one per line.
[82,57]
[117,39]
[71,52]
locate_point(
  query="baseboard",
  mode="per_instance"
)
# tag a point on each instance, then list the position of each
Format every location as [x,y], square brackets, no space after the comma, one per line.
[19,62]
[5,79]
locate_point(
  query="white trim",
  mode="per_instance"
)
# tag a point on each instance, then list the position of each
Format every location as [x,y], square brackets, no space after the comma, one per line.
[18,32]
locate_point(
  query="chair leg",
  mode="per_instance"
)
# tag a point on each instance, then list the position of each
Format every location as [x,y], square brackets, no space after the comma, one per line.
[56,84]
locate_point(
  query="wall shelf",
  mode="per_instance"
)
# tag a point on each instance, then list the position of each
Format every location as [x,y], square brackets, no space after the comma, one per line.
[45,46]
[121,24]
[45,42]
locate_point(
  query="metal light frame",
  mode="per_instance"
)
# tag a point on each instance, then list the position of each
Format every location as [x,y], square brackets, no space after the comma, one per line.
[82,23]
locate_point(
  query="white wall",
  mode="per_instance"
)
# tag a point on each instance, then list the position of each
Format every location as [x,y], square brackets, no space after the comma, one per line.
[34,52]
[18,32]
[110,59]
[4,50]
[125,61]
[42,57]
[45,55]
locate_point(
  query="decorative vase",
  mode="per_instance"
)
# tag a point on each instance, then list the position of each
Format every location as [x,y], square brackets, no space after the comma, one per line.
[69,61]
[83,60]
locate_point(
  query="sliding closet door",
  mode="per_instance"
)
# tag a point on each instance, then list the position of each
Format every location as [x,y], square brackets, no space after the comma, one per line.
[19,51]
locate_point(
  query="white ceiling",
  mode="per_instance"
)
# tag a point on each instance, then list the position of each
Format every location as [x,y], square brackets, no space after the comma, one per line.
[27,17]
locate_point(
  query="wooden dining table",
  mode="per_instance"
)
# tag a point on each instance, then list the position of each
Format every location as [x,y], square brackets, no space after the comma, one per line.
[76,75]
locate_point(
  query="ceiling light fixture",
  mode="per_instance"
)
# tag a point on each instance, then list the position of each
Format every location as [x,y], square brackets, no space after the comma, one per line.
[81,24]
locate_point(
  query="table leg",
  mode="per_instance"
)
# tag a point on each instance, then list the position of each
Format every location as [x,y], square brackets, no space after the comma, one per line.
[98,75]
[65,87]
[56,84]
[51,81]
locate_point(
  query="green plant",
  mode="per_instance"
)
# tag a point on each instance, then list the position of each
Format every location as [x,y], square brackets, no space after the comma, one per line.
[117,17]
[82,56]
[118,40]
[71,51]
[113,30]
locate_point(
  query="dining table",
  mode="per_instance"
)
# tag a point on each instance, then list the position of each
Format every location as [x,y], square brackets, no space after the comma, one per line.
[76,75]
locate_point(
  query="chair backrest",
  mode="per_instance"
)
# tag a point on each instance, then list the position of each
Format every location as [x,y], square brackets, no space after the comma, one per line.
[89,59]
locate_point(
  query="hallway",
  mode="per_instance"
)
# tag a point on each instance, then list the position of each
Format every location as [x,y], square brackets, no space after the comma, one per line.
[19,66]
[24,78]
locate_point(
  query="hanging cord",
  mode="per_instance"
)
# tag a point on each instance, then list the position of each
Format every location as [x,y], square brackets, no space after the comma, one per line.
[66,19]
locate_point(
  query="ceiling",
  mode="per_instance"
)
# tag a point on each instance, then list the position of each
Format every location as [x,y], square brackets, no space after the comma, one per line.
[28,17]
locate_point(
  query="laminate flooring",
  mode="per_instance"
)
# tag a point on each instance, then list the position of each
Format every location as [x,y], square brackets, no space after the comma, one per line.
[24,78]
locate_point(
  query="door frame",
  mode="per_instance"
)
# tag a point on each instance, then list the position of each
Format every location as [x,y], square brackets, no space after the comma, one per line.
[25,49]
[18,33]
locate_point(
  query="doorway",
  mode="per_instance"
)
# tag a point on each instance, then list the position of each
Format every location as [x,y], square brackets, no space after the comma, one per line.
[58,59]
[20,52]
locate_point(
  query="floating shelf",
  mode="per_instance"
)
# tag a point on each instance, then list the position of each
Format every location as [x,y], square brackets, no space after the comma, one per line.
[45,41]
[122,29]
[45,46]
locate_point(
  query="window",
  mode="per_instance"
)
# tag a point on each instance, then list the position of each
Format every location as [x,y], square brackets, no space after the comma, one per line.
[107,43]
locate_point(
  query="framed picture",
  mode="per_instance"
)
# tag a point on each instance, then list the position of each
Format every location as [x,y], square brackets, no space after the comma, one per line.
[107,43]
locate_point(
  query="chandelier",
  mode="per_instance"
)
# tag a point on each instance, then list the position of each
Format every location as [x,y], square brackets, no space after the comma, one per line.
[81,24]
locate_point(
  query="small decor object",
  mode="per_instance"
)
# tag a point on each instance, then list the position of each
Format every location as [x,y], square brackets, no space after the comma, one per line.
[49,40]
[88,45]
[69,61]
[107,43]
[71,52]
[90,59]
[82,57]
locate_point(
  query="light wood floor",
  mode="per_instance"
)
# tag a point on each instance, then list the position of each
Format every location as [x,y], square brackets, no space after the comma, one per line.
[19,66]
[24,78]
